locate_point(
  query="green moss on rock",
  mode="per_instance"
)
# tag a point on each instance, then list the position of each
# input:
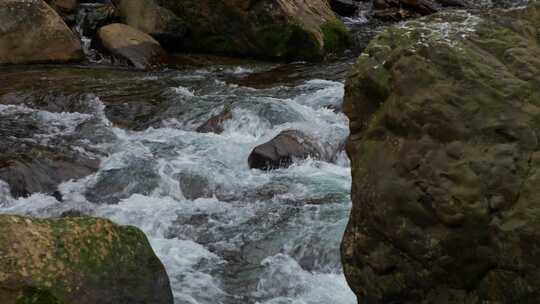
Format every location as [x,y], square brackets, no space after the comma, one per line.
[78,260]
[336,36]
[288,42]
[445,150]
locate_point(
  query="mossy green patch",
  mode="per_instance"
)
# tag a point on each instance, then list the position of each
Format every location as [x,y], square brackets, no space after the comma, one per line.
[288,42]
[336,36]
[33,295]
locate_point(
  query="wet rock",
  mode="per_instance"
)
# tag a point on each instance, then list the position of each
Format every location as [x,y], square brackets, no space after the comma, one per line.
[444,146]
[215,123]
[281,151]
[138,48]
[345,8]
[32,32]
[78,260]
[31,166]
[134,176]
[147,16]
[286,30]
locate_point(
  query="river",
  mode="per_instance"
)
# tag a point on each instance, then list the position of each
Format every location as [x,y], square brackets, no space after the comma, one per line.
[225,233]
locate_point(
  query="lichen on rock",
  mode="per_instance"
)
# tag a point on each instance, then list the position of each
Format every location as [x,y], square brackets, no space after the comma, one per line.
[77,260]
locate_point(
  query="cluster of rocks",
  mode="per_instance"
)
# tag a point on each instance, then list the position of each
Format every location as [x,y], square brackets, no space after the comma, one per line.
[140,32]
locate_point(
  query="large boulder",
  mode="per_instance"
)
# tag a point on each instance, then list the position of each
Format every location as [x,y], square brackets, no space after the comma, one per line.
[32,32]
[445,122]
[277,29]
[147,16]
[138,48]
[282,150]
[78,260]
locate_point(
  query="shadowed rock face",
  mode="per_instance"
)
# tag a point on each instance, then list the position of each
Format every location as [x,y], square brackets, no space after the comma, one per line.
[445,115]
[289,29]
[31,32]
[78,260]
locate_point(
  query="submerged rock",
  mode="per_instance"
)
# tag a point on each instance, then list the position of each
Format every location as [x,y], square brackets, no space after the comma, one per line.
[285,29]
[138,48]
[32,32]
[78,260]
[281,151]
[30,164]
[445,116]
[215,123]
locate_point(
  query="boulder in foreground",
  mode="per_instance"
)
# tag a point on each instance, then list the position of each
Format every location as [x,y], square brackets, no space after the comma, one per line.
[32,32]
[78,260]
[445,126]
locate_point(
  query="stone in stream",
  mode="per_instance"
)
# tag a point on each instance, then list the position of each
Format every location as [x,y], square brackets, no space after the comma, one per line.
[78,260]
[281,151]
[445,118]
[284,29]
[32,32]
[159,22]
[215,123]
[29,166]
[138,48]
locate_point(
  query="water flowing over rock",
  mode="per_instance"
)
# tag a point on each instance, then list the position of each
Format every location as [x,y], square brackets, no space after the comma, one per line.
[138,48]
[284,29]
[445,116]
[78,260]
[32,32]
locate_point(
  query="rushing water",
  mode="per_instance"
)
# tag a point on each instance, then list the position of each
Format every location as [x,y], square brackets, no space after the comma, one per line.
[226,234]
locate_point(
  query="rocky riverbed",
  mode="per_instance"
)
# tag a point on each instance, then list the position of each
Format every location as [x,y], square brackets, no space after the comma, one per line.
[235,167]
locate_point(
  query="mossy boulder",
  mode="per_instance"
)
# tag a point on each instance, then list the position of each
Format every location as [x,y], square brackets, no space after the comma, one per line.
[32,32]
[78,260]
[445,123]
[284,30]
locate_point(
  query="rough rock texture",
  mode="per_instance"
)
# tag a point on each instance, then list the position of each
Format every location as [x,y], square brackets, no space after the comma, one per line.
[78,260]
[445,119]
[64,6]
[149,17]
[31,32]
[280,29]
[281,151]
[140,49]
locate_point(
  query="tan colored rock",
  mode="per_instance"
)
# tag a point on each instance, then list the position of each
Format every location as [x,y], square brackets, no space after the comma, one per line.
[32,32]
[140,49]
[147,16]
